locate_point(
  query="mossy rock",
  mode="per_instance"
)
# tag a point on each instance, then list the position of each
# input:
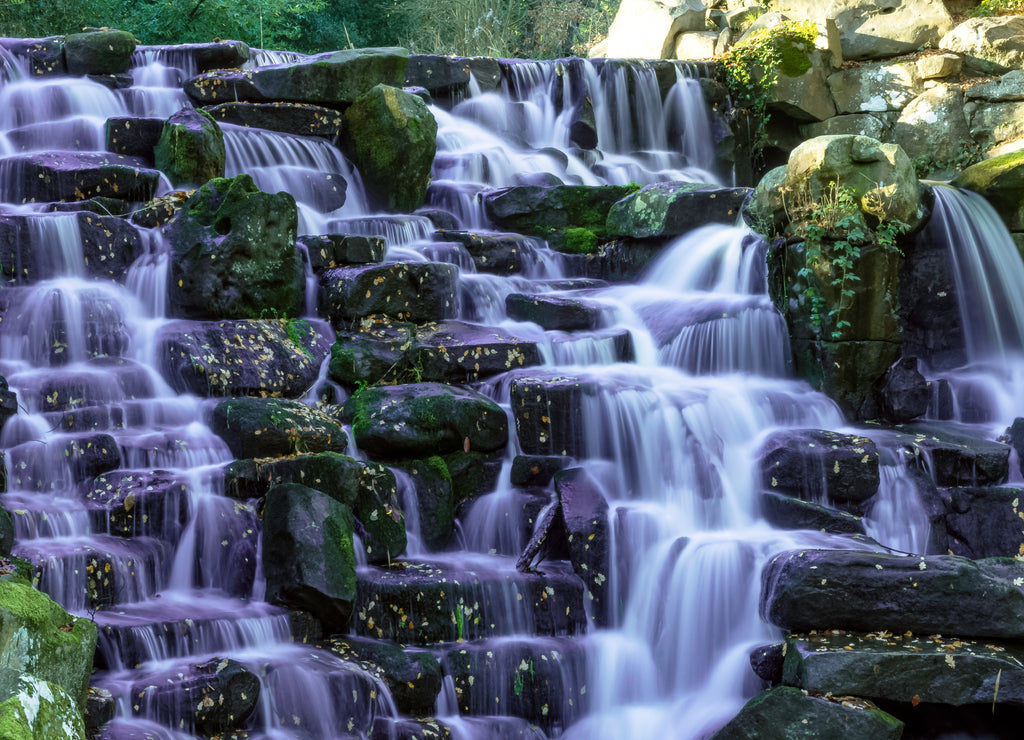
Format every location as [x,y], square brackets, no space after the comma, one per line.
[435,502]
[40,638]
[271,427]
[671,209]
[541,210]
[391,136]
[105,52]
[34,709]
[421,419]
[191,148]
[413,676]
[308,554]
[233,253]
[1000,181]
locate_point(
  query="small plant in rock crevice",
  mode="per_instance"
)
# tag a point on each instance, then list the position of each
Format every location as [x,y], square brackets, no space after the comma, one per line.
[753,66]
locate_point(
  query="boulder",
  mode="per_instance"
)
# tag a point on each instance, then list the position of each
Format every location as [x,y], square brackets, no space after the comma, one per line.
[873,125]
[905,668]
[391,136]
[933,124]
[993,45]
[44,56]
[331,79]
[435,500]
[815,465]
[299,119]
[671,209]
[804,590]
[493,253]
[801,87]
[308,554]
[450,76]
[699,44]
[983,522]
[939,66]
[241,358]
[875,88]
[151,503]
[786,713]
[335,250]
[133,136]
[955,455]
[873,29]
[412,676]
[1005,89]
[541,210]
[1000,181]
[408,291]
[71,176]
[548,414]
[588,533]
[786,512]
[555,312]
[647,29]
[992,124]
[766,661]
[33,708]
[423,419]
[905,394]
[191,148]
[216,54]
[272,427]
[233,253]
[41,639]
[536,470]
[100,52]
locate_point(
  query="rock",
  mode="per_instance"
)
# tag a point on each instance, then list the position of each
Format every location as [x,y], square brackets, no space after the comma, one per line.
[554,312]
[801,88]
[299,119]
[408,291]
[241,358]
[271,427]
[99,709]
[536,470]
[933,124]
[331,79]
[548,416]
[335,250]
[133,136]
[34,708]
[423,419]
[541,680]
[992,124]
[426,728]
[988,45]
[872,29]
[785,713]
[1000,181]
[588,532]
[213,697]
[216,54]
[697,45]
[872,125]
[803,590]
[308,555]
[450,76]
[391,136]
[368,489]
[44,56]
[814,464]
[413,676]
[233,253]
[874,88]
[984,522]
[70,176]
[41,639]
[905,394]
[1008,88]
[548,541]
[422,603]
[647,29]
[671,209]
[495,254]
[102,52]
[786,512]
[191,148]
[435,500]
[473,473]
[139,504]
[939,66]
[540,210]
[904,668]
[1015,436]
[766,661]
[955,455]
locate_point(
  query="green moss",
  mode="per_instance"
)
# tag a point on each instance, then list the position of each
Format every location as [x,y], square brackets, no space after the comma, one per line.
[794,55]
[439,466]
[579,241]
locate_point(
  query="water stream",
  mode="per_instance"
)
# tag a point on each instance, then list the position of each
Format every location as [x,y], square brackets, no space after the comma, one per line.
[670,436]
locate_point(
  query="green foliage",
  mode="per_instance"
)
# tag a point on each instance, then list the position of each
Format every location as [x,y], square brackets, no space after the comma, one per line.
[579,241]
[839,212]
[969,152]
[753,66]
[997,7]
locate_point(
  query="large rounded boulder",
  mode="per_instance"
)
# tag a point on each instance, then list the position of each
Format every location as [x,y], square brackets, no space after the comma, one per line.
[391,137]
[233,253]
[191,148]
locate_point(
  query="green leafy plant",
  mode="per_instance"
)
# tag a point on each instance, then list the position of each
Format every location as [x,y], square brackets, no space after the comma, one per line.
[753,66]
[997,7]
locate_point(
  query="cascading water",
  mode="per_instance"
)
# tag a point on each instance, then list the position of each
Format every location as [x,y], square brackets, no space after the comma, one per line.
[670,436]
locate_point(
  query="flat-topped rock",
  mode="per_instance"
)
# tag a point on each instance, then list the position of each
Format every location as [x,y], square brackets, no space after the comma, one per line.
[556,312]
[451,76]
[326,251]
[274,427]
[139,503]
[956,455]
[671,209]
[408,291]
[213,55]
[242,358]
[301,119]
[816,464]
[865,591]
[44,177]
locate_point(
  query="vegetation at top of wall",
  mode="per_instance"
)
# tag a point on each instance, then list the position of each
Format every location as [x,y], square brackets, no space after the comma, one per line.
[997,7]
[753,66]
[538,29]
